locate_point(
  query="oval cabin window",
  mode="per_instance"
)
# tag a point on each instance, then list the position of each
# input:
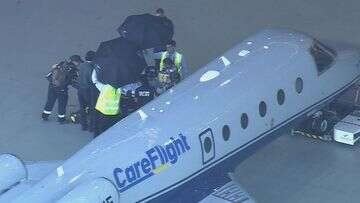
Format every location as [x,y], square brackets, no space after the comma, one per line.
[262,109]
[244,121]
[280,97]
[226,132]
[207,144]
[299,85]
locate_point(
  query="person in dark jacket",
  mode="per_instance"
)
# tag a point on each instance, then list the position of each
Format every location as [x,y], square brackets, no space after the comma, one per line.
[60,77]
[168,24]
[165,20]
[85,89]
[145,93]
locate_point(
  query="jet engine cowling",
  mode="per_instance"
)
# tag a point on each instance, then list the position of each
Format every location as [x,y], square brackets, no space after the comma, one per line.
[12,171]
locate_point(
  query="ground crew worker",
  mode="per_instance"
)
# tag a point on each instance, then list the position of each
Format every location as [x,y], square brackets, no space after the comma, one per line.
[175,56]
[85,89]
[60,77]
[160,12]
[167,77]
[107,108]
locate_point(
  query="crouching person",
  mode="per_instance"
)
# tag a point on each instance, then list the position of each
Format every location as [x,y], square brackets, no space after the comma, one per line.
[60,77]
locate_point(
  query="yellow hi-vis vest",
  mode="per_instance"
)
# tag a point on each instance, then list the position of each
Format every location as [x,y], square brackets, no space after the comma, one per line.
[177,62]
[108,102]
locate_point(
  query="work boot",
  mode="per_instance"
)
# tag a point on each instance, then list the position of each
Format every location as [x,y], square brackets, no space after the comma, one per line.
[61,120]
[45,116]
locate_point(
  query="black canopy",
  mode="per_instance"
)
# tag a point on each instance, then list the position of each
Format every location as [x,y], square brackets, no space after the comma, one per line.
[147,31]
[119,61]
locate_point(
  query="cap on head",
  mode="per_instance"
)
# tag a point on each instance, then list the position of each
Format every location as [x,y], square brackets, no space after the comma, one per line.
[90,55]
[76,58]
[172,43]
[160,11]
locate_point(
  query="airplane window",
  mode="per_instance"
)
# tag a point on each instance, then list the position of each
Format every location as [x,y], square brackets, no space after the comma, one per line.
[244,120]
[280,97]
[207,144]
[262,109]
[299,85]
[226,132]
[323,56]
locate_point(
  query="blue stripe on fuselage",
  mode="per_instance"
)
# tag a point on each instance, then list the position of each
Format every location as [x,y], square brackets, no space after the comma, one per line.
[136,182]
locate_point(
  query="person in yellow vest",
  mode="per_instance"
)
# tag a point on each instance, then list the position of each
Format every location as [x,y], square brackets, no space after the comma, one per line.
[108,102]
[108,105]
[176,57]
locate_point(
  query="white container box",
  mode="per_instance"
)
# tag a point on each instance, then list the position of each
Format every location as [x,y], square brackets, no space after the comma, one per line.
[347,131]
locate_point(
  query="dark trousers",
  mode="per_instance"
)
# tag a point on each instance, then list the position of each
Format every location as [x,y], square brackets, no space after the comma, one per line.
[94,94]
[61,95]
[104,122]
[84,97]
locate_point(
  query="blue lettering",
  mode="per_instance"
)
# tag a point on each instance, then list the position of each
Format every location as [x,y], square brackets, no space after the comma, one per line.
[183,138]
[179,145]
[117,172]
[136,166]
[130,174]
[171,152]
[161,156]
[145,165]
[142,169]
[152,157]
[164,153]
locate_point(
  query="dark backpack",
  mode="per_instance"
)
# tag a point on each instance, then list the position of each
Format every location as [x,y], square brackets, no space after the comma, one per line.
[58,77]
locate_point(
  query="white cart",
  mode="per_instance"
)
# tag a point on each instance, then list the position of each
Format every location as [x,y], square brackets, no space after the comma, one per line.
[347,130]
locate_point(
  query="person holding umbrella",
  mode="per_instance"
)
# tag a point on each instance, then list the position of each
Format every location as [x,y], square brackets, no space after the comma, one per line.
[107,110]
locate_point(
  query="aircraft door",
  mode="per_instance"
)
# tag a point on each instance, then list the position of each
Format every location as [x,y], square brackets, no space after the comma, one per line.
[207,145]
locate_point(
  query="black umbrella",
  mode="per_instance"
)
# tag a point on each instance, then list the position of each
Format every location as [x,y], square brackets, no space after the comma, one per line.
[120,62]
[147,31]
